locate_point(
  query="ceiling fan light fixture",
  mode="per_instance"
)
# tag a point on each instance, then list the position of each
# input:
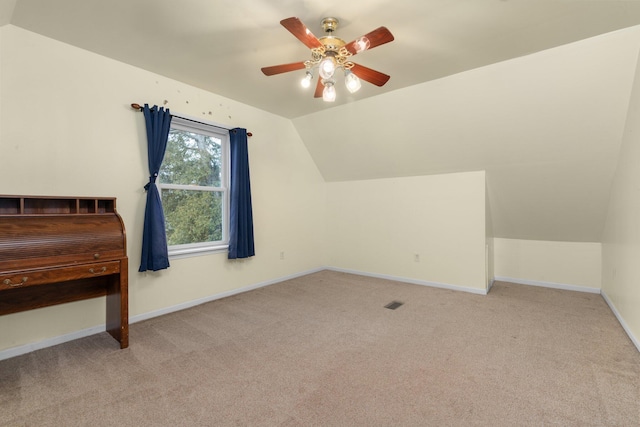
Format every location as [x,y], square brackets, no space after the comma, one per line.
[328,54]
[329,92]
[306,81]
[327,67]
[351,81]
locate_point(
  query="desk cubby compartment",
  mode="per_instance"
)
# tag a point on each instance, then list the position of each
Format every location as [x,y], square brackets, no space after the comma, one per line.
[44,206]
[106,205]
[10,205]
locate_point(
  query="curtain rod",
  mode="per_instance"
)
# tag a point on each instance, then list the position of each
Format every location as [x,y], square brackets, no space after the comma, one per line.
[138,107]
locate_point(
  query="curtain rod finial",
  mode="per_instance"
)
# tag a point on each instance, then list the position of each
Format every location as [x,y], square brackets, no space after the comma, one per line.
[136,106]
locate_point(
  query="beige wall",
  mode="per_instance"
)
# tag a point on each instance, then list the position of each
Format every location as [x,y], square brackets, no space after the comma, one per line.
[621,239]
[378,226]
[561,264]
[66,128]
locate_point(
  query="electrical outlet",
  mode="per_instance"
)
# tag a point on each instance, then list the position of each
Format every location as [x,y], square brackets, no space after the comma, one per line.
[416,257]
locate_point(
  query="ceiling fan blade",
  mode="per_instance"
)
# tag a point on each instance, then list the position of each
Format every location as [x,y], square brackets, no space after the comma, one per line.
[375,38]
[372,76]
[283,68]
[302,33]
[319,89]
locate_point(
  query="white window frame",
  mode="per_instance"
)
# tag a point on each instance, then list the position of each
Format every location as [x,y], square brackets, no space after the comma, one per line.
[219,132]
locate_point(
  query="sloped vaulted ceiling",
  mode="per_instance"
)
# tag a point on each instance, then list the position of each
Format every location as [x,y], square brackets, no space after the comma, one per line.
[220,45]
[6,11]
[546,128]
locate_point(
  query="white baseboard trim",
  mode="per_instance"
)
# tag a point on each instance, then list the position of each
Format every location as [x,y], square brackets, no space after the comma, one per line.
[50,342]
[552,285]
[624,325]
[193,303]
[411,281]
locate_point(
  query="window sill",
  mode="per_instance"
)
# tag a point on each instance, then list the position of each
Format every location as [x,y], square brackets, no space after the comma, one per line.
[178,253]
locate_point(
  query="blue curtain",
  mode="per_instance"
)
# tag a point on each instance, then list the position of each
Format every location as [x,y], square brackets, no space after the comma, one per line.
[241,221]
[154,240]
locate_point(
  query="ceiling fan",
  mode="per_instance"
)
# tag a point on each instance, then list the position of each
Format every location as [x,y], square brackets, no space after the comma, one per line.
[330,53]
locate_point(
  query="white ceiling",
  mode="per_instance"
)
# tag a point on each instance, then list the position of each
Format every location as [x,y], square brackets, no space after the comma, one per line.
[519,88]
[220,45]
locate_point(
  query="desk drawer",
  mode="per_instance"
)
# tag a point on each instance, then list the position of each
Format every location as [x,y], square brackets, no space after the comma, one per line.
[24,278]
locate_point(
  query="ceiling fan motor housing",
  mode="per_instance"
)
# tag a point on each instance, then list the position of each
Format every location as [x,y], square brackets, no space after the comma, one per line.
[329,25]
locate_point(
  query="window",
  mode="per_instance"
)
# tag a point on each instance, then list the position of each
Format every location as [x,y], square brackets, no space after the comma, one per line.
[193,184]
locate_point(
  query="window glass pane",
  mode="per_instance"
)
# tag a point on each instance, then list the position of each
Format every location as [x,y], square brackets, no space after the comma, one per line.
[192,159]
[192,216]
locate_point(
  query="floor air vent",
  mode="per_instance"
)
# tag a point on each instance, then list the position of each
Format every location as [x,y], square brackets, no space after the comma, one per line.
[393,305]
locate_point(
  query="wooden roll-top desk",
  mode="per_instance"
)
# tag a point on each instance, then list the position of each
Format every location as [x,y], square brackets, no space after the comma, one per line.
[55,250]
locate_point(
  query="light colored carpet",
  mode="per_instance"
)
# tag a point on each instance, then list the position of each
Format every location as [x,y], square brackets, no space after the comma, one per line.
[322,350]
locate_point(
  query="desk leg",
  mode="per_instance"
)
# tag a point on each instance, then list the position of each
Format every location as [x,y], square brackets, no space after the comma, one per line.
[118,305]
